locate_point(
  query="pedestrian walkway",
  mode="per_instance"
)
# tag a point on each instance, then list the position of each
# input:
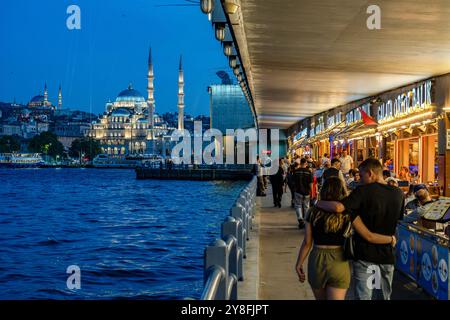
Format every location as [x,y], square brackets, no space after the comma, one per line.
[269,269]
[278,239]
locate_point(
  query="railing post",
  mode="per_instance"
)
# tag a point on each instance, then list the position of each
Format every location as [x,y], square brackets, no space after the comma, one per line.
[223,264]
[233,292]
[233,227]
[216,255]
[238,211]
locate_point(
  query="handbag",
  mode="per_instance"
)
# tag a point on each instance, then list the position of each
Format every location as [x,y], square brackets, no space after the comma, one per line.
[349,242]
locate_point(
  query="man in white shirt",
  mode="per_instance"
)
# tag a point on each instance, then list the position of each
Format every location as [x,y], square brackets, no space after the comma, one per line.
[346,162]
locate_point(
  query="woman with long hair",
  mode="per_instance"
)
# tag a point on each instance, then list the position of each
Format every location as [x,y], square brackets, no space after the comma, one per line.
[328,271]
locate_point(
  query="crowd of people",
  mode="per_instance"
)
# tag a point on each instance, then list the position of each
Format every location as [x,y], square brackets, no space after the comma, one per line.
[329,196]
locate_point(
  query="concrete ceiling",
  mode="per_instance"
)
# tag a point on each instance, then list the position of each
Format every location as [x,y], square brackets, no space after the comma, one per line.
[303,57]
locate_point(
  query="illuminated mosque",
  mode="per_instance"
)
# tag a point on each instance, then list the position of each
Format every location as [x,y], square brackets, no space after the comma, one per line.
[130,124]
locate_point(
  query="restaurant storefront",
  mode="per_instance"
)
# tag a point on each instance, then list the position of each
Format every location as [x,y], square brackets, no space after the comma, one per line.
[408,134]
[295,144]
[408,127]
[408,130]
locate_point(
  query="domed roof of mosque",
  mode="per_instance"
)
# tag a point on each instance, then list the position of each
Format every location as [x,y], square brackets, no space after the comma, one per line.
[38,98]
[130,95]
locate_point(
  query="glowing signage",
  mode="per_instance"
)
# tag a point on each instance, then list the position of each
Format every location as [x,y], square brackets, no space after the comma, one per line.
[334,119]
[316,129]
[354,115]
[302,134]
[413,101]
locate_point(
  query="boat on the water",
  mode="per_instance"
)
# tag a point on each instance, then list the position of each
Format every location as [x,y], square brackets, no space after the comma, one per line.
[21,160]
[130,161]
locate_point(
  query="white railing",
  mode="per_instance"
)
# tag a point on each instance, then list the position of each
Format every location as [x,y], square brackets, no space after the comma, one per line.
[224,257]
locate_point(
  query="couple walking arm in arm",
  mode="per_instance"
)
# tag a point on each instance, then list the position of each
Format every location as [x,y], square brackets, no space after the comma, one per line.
[358,224]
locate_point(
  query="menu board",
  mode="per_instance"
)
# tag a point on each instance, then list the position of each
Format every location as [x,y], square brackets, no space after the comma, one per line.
[438,210]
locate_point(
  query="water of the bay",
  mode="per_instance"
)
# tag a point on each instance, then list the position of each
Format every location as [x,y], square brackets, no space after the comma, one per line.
[138,239]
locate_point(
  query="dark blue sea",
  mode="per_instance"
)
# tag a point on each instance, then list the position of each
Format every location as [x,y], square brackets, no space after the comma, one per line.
[131,239]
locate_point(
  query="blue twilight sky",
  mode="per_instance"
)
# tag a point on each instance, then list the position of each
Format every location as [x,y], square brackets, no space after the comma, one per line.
[95,63]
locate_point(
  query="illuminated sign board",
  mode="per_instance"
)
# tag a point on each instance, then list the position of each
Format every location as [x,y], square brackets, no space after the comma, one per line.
[316,129]
[300,135]
[321,126]
[334,119]
[352,116]
[415,100]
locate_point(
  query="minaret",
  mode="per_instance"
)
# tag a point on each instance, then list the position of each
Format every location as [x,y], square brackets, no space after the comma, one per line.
[45,94]
[59,98]
[180,96]
[150,89]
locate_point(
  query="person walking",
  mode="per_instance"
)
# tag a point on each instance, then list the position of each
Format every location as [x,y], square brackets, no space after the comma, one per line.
[290,182]
[310,162]
[285,170]
[277,181]
[260,190]
[334,171]
[353,182]
[346,162]
[379,206]
[303,180]
[328,271]
[324,160]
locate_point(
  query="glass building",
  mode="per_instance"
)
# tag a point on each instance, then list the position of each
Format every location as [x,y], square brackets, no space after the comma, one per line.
[229,108]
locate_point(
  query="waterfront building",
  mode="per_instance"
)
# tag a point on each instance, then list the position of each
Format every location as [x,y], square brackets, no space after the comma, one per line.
[130,124]
[67,132]
[229,108]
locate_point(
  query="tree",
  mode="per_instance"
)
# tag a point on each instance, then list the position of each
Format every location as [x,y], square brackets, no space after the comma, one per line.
[47,143]
[9,144]
[87,146]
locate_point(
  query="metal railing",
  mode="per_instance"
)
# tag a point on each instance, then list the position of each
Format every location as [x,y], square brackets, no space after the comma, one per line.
[223,266]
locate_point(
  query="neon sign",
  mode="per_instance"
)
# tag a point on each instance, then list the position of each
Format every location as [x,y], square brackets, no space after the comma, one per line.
[413,101]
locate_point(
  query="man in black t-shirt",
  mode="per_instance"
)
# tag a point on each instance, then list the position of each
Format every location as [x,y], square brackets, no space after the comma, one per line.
[379,206]
[333,171]
[303,180]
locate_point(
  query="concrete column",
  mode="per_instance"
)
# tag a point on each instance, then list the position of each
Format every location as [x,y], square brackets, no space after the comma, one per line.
[442,100]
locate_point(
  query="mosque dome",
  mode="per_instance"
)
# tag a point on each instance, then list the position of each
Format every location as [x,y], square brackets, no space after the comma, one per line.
[121,112]
[130,95]
[38,98]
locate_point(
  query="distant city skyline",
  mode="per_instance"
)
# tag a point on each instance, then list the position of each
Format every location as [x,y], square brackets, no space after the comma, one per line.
[110,51]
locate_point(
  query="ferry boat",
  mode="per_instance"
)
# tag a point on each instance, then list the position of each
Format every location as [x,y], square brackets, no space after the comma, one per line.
[130,161]
[21,160]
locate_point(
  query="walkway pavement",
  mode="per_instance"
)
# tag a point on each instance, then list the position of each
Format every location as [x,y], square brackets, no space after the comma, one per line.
[272,252]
